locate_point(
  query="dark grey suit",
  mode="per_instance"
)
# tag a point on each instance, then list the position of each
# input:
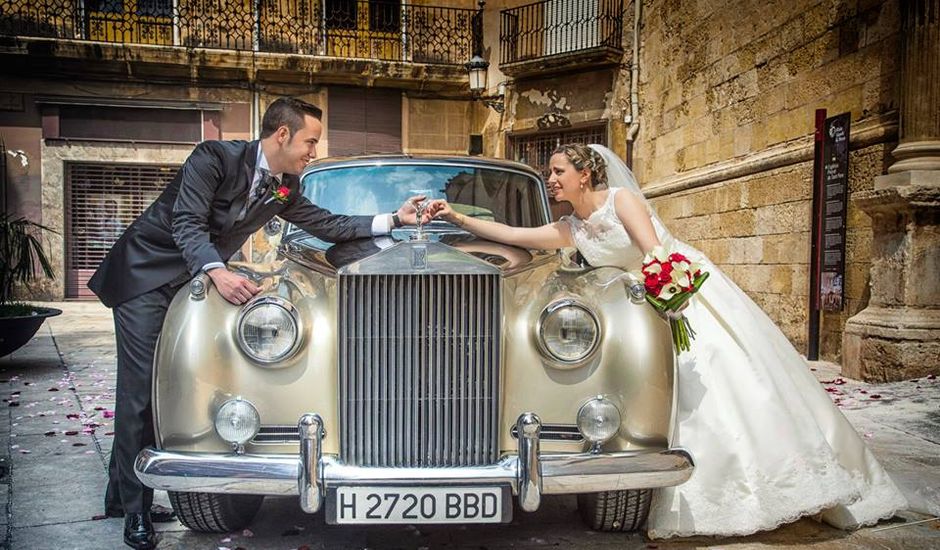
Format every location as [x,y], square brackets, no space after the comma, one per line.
[194,222]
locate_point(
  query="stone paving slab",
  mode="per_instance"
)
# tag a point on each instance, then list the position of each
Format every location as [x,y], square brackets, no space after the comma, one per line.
[53,492]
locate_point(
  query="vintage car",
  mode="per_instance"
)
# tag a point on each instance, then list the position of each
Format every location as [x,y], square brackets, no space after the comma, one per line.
[423,377]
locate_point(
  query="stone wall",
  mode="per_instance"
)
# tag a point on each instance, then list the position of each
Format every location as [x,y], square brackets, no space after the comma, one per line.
[728,93]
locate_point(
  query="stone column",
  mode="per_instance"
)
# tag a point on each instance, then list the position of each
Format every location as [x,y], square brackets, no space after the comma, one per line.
[898,335]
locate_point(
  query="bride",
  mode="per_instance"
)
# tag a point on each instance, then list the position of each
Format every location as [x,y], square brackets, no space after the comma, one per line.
[769,445]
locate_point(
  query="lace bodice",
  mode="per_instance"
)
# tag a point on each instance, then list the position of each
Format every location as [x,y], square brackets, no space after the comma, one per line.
[602,239]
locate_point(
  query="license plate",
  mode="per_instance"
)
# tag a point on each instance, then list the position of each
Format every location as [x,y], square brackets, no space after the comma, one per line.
[419,505]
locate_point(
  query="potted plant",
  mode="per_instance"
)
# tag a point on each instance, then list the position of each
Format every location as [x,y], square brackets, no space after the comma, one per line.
[22,258]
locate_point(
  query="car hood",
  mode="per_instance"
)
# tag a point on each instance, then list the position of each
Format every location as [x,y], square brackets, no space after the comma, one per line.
[385,255]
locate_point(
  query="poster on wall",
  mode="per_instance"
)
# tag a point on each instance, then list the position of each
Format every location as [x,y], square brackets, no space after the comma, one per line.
[835,180]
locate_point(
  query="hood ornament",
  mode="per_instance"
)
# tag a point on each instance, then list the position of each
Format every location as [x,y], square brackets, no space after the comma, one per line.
[420,208]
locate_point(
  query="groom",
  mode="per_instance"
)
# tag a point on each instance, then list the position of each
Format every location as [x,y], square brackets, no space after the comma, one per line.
[224,192]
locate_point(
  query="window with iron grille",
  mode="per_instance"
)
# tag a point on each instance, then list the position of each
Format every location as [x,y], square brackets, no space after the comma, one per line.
[105,6]
[155,8]
[340,14]
[536,150]
[103,199]
[384,16]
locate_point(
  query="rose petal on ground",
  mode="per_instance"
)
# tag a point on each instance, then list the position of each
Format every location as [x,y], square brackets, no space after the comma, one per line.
[99,517]
[875,396]
[79,444]
[71,432]
[53,389]
[50,433]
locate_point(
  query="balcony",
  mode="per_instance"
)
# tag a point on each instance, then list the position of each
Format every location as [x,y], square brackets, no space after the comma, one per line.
[331,37]
[557,35]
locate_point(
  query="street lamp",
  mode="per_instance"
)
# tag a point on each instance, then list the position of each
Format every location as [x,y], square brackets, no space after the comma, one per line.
[476,69]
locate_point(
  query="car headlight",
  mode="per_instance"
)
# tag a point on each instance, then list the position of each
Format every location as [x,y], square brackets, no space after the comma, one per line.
[598,420]
[269,329]
[568,332]
[237,421]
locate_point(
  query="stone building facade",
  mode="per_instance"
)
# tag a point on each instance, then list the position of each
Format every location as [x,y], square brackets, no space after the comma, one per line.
[96,112]
[712,103]
[727,94]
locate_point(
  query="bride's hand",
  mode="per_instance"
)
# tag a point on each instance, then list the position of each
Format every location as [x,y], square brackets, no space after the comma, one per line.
[438,209]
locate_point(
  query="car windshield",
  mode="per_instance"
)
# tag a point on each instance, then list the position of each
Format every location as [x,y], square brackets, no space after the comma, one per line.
[513,198]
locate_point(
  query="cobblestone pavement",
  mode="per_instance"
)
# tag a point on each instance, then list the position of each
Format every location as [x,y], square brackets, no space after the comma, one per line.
[55,435]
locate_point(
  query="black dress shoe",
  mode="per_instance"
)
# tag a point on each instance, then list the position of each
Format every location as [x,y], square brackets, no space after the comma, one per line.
[158,514]
[138,532]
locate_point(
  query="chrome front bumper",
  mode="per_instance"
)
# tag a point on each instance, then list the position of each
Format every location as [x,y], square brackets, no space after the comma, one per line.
[529,473]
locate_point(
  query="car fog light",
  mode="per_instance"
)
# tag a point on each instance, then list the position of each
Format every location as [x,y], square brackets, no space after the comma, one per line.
[568,333]
[598,420]
[269,329]
[237,421]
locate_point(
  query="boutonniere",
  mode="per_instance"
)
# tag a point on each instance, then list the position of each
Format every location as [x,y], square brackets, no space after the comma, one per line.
[280,194]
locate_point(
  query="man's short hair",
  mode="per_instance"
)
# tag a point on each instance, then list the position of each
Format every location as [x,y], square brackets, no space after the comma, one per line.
[287,111]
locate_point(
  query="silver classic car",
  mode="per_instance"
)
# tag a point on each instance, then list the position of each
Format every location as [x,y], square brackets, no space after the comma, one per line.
[423,377]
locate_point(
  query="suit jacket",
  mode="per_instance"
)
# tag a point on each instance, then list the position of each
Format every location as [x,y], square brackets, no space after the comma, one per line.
[193,222]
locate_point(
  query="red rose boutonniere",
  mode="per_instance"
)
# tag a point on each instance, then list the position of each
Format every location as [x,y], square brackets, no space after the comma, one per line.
[280,194]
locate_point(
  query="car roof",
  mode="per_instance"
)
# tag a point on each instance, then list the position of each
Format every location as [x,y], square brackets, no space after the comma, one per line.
[405,158]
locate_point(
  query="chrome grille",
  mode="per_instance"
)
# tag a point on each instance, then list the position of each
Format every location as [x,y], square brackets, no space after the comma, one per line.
[419,369]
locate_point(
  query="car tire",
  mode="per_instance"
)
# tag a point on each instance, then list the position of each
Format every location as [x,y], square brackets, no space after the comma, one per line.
[615,510]
[215,513]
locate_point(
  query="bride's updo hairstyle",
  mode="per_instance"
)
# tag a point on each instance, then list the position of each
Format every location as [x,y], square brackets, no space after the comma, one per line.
[583,157]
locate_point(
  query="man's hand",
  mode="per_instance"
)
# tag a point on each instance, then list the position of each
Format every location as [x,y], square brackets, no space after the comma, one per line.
[408,213]
[234,288]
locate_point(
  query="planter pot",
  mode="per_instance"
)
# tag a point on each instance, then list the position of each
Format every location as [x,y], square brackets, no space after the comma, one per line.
[16,331]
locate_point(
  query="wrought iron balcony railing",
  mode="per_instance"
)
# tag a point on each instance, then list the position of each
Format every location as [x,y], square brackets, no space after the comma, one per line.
[552,28]
[363,29]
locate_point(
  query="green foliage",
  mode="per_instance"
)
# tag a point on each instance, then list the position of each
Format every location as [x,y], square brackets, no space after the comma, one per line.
[21,254]
[16,309]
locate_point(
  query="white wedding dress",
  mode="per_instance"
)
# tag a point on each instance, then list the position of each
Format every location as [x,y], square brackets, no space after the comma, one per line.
[768,443]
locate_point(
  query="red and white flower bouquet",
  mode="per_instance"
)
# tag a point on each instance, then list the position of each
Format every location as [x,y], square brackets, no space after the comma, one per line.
[670,280]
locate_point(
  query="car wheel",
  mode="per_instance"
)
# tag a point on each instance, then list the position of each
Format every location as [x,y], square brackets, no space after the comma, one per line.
[615,510]
[215,513]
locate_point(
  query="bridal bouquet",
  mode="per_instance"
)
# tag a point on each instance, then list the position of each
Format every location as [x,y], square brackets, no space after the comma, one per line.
[670,280]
